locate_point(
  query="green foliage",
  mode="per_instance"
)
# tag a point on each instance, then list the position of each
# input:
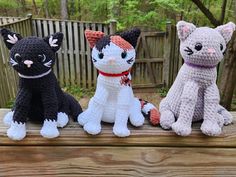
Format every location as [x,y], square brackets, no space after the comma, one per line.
[149,13]
[163,91]
[78,92]
[8,4]
[10,103]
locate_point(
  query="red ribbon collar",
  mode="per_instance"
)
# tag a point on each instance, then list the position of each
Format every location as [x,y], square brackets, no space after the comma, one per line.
[115,74]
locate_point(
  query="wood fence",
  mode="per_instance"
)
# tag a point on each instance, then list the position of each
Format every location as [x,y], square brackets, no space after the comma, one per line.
[8,77]
[156,65]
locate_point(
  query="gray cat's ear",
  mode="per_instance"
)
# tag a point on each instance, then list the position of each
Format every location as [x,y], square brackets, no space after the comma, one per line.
[10,38]
[184,29]
[226,31]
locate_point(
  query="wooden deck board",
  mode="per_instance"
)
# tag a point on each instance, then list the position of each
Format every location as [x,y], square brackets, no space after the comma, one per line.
[147,135]
[149,151]
[116,161]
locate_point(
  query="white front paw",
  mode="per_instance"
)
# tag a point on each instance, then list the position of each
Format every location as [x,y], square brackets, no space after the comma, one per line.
[92,128]
[8,118]
[121,131]
[83,118]
[17,131]
[62,119]
[137,120]
[49,129]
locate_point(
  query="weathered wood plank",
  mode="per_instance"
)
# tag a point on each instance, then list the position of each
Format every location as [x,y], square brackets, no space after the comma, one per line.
[71,37]
[88,61]
[82,49]
[77,55]
[60,59]
[65,53]
[147,135]
[116,161]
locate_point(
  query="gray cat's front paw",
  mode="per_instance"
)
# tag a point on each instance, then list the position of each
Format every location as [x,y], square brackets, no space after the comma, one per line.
[181,129]
[211,128]
[167,119]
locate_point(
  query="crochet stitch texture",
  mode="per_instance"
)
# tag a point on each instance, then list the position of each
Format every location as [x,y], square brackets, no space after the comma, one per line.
[39,97]
[114,101]
[194,95]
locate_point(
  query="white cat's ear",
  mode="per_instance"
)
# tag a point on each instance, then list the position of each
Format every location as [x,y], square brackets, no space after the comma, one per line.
[54,41]
[226,30]
[10,38]
[184,29]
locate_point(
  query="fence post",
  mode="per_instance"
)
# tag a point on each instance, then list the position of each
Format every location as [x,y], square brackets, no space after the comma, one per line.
[167,55]
[113,26]
[29,16]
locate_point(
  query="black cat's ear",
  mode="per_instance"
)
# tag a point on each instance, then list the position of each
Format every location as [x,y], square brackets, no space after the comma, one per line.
[54,41]
[10,38]
[131,36]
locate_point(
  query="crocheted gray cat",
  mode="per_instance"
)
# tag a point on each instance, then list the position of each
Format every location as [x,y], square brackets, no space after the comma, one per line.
[194,95]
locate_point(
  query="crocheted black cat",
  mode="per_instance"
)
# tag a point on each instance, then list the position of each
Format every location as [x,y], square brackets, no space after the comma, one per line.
[39,98]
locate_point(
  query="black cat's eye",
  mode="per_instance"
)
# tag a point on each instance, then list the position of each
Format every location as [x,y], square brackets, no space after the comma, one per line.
[42,58]
[198,46]
[221,47]
[123,54]
[100,55]
[17,57]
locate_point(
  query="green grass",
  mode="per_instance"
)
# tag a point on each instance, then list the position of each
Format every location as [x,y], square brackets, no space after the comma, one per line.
[78,92]
[163,91]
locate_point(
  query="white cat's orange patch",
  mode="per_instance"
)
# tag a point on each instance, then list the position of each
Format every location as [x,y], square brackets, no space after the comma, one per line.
[119,41]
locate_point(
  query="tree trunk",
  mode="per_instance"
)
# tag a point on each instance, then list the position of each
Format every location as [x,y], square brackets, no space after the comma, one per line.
[228,78]
[223,7]
[46,9]
[64,11]
[35,7]
[207,12]
[23,5]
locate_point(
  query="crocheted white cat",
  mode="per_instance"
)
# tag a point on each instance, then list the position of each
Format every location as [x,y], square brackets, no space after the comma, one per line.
[114,101]
[194,95]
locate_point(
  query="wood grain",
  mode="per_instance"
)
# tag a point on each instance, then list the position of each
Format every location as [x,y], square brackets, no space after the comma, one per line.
[116,161]
[147,135]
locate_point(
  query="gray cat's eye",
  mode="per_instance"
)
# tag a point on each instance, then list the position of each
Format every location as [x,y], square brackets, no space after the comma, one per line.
[198,46]
[221,47]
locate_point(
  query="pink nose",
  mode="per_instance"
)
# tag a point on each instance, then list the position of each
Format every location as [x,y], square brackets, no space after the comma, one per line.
[211,51]
[111,61]
[28,63]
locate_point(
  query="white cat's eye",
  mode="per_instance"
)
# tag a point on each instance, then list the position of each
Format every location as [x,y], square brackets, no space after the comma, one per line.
[100,55]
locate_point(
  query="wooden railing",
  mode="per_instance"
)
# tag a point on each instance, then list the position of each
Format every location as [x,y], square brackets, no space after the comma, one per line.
[8,77]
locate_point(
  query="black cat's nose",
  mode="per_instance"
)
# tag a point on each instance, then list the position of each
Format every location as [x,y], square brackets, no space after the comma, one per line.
[28,63]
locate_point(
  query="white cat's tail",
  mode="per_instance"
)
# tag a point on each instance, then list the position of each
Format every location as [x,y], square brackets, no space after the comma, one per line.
[150,112]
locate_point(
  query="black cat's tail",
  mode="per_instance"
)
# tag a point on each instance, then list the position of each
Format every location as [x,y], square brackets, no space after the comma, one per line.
[74,107]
